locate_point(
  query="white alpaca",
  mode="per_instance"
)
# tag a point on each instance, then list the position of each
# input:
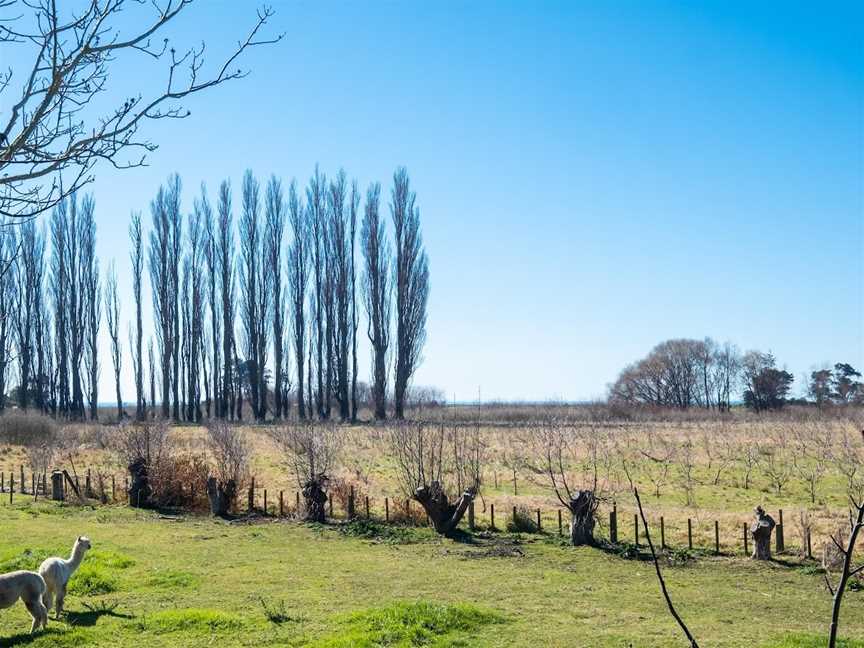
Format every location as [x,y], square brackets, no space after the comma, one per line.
[57,572]
[29,587]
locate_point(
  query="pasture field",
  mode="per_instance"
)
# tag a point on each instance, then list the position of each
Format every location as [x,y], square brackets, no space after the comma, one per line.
[156,580]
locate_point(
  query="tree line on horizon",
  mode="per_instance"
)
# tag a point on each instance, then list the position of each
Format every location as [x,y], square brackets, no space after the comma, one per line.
[283,283]
[688,373]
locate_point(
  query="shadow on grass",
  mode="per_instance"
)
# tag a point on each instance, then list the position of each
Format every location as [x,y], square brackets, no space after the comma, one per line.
[90,617]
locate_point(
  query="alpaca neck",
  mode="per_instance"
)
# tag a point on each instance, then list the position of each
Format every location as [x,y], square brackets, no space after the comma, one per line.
[76,557]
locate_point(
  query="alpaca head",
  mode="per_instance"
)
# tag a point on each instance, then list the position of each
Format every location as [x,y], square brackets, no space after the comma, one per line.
[82,544]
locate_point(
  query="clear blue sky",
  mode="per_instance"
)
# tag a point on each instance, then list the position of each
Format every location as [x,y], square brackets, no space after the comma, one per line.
[593,178]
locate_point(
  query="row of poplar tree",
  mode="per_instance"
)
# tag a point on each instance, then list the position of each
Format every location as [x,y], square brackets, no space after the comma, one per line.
[284,281]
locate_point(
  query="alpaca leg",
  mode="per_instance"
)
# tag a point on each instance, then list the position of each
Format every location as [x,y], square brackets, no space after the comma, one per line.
[61,595]
[48,599]
[38,612]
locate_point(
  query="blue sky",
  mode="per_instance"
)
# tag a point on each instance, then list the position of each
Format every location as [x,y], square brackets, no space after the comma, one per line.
[593,178]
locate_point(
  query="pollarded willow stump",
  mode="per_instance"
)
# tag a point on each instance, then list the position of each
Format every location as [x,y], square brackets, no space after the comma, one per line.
[221,495]
[315,498]
[445,515]
[760,531]
[139,484]
[582,510]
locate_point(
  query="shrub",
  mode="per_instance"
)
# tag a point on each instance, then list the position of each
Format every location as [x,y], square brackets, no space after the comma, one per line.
[523,521]
[180,482]
[27,429]
[340,491]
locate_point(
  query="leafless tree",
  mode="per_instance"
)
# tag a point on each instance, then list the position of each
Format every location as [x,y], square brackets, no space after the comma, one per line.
[151,364]
[164,259]
[316,204]
[136,256]
[412,286]
[775,459]
[112,316]
[211,256]
[255,284]
[91,307]
[230,449]
[811,454]
[310,450]
[274,234]
[354,206]
[55,131]
[27,271]
[660,454]
[225,265]
[686,466]
[576,483]
[194,312]
[376,294]
[8,254]
[429,459]
[848,570]
[298,278]
[338,259]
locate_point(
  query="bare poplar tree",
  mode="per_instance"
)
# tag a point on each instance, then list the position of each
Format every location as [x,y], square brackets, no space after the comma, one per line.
[376,294]
[211,257]
[151,363]
[194,309]
[338,255]
[136,256]
[27,273]
[161,264]
[112,316]
[91,307]
[56,125]
[298,277]
[8,255]
[315,202]
[274,233]
[255,284]
[58,281]
[354,206]
[225,265]
[412,286]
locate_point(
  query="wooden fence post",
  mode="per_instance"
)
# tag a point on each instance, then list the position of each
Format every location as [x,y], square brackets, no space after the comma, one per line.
[265,501]
[560,525]
[662,533]
[387,510]
[297,503]
[22,482]
[746,549]
[251,503]
[781,543]
[492,516]
[689,533]
[471,515]
[539,524]
[281,503]
[350,511]
[636,529]
[113,489]
[809,546]
[11,486]
[330,499]
[367,507]
[613,524]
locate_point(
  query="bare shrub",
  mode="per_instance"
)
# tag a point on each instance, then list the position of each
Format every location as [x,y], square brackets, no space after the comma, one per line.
[340,491]
[230,449]
[145,450]
[522,521]
[432,461]
[310,450]
[27,429]
[179,481]
[571,461]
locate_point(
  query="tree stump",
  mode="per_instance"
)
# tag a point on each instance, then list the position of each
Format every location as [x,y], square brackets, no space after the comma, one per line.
[57,486]
[139,484]
[760,531]
[221,496]
[445,516]
[315,498]
[582,510]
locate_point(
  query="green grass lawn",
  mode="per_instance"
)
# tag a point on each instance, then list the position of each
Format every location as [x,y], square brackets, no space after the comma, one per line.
[151,581]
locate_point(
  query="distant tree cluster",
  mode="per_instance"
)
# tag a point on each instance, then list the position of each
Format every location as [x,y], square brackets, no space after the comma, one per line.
[233,305]
[681,374]
[686,373]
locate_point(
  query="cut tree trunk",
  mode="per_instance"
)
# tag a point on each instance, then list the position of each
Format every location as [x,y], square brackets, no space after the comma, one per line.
[316,499]
[760,531]
[445,516]
[582,509]
[139,484]
[221,496]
